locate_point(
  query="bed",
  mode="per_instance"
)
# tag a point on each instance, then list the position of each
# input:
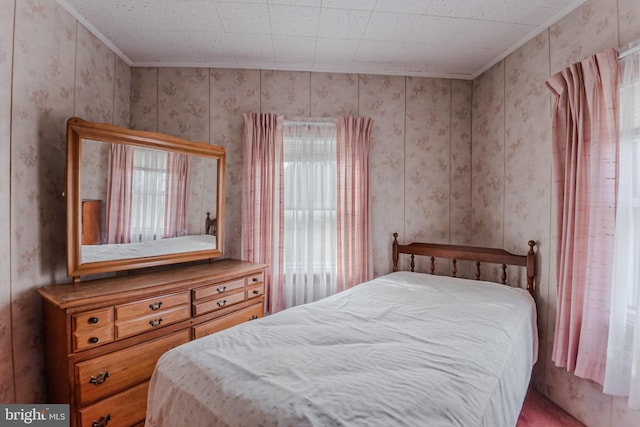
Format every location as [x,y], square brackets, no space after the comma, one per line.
[404,349]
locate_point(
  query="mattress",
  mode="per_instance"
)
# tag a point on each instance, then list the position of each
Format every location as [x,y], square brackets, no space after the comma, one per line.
[405,349]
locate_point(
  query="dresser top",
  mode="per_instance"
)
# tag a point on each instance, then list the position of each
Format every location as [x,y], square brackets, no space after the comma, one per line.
[141,284]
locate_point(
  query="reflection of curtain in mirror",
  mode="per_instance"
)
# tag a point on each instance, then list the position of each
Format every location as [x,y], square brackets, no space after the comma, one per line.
[119,194]
[175,223]
[149,190]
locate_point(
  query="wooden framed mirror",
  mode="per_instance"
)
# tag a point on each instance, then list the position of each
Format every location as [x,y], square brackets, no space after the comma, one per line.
[140,199]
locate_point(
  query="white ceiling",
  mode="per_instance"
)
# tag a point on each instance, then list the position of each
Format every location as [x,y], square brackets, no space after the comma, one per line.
[433,38]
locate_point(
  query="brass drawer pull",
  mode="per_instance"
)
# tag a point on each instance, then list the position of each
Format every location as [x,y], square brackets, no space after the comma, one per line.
[100,378]
[102,421]
[221,289]
[93,340]
[155,322]
[254,317]
[221,303]
[255,279]
[256,291]
[155,306]
[93,320]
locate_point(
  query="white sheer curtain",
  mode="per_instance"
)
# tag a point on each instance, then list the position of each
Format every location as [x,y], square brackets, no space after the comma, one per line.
[149,188]
[310,203]
[622,373]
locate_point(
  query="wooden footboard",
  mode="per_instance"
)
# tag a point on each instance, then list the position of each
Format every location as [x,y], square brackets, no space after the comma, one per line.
[469,253]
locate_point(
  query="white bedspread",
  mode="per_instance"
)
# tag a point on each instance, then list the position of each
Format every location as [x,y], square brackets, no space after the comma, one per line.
[405,349]
[107,252]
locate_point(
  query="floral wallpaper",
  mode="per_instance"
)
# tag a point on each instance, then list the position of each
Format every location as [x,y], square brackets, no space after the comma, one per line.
[459,161]
[95,79]
[6,51]
[144,99]
[487,161]
[527,164]
[334,94]
[232,93]
[383,99]
[460,182]
[589,29]
[43,89]
[59,70]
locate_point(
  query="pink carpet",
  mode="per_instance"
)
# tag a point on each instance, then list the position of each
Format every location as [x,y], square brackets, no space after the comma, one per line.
[538,411]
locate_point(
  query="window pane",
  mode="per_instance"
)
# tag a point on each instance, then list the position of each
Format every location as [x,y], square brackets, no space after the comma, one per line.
[310,213]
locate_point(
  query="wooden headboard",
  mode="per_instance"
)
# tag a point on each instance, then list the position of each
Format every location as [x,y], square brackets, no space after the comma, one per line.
[210,225]
[469,253]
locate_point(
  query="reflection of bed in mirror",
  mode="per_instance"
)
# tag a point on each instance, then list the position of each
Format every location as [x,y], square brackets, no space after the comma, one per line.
[171,245]
[147,248]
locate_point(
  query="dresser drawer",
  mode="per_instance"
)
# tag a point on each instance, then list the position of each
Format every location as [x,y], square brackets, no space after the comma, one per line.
[111,373]
[93,319]
[152,321]
[208,291]
[83,340]
[252,312]
[145,307]
[217,303]
[255,291]
[122,410]
[255,279]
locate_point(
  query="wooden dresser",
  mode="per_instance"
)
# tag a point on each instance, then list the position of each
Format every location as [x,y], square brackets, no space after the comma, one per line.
[103,337]
[91,222]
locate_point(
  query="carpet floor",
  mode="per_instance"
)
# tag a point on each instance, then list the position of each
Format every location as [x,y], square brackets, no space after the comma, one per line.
[538,411]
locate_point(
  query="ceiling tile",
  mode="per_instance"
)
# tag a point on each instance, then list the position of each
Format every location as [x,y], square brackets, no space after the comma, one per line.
[293,20]
[367,5]
[252,48]
[343,23]
[405,6]
[377,51]
[390,26]
[168,46]
[306,3]
[289,48]
[335,51]
[244,17]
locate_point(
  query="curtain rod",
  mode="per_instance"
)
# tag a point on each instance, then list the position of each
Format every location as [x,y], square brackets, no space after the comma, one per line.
[309,122]
[628,52]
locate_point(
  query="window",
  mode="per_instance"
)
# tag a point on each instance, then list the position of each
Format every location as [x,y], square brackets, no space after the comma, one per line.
[633,177]
[324,263]
[310,211]
[628,218]
[623,346]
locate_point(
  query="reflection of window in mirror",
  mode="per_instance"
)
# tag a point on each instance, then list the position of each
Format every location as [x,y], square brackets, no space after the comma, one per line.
[147,194]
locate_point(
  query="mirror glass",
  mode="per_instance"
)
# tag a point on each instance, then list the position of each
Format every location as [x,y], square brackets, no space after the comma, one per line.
[139,199]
